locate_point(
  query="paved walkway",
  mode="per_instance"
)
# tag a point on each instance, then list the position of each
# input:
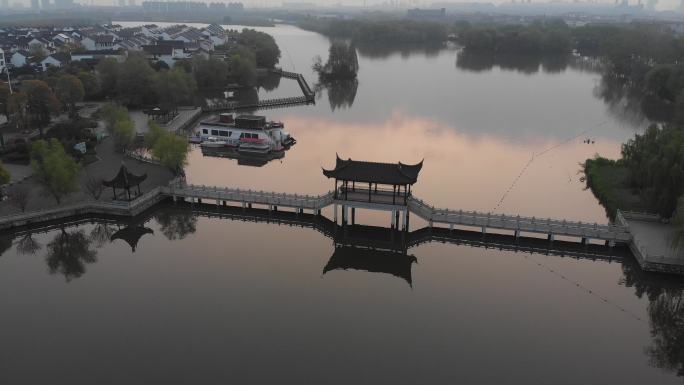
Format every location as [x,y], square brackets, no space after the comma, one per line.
[105,168]
[658,240]
[185,116]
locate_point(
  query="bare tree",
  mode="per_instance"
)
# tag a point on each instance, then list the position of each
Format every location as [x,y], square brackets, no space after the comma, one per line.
[94,186]
[18,197]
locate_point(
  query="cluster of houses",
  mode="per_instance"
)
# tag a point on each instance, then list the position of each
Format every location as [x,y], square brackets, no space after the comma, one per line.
[41,48]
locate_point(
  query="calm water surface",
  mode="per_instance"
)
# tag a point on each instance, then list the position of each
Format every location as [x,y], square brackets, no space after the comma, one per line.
[206,300]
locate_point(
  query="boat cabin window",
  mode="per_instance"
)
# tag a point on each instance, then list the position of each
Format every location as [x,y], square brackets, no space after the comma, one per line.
[215,132]
[205,131]
[224,133]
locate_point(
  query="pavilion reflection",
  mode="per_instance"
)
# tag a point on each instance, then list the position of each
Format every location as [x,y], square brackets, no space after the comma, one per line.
[131,235]
[375,261]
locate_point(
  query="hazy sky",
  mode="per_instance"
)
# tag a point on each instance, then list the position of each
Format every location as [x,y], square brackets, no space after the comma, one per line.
[661,4]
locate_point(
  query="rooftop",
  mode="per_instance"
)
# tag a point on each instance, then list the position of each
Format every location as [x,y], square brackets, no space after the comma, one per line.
[374,172]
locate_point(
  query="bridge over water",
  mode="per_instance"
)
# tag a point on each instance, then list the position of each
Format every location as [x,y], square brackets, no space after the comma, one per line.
[357,187]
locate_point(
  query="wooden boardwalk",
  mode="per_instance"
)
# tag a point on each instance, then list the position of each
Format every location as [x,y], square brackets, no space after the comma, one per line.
[309,97]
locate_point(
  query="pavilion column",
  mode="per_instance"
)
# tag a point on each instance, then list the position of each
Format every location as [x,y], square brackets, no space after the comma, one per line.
[335,212]
[335,193]
[394,193]
[369,191]
[405,195]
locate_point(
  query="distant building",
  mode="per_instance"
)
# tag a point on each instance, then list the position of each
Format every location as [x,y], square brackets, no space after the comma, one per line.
[94,57]
[19,58]
[45,4]
[58,59]
[122,3]
[99,42]
[418,13]
[35,4]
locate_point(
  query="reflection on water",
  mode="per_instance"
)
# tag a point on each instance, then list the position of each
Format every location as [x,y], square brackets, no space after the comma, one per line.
[630,105]
[384,51]
[176,225]
[341,93]
[665,295]
[131,235]
[69,252]
[243,159]
[375,261]
[526,64]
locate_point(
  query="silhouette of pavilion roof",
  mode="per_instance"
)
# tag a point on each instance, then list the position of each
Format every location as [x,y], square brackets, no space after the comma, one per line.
[374,261]
[131,235]
[374,172]
[125,179]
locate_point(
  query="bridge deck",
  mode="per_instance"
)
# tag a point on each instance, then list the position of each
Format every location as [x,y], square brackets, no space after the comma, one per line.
[614,233]
[383,199]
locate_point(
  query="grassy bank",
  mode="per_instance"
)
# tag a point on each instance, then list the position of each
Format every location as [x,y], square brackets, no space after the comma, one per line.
[609,181]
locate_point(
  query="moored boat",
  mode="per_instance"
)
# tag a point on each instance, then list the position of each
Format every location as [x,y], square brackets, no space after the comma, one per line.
[247,133]
[212,142]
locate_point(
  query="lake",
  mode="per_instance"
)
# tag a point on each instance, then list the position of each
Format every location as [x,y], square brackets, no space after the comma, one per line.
[201,299]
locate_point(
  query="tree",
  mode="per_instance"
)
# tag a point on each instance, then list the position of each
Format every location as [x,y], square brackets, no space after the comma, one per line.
[70,91]
[4,100]
[111,114]
[172,151]
[91,84]
[266,51]
[135,82]
[124,134]
[243,66]
[18,197]
[41,102]
[17,109]
[173,87]
[54,169]
[152,136]
[211,73]
[93,184]
[108,75]
[37,53]
[4,175]
[342,64]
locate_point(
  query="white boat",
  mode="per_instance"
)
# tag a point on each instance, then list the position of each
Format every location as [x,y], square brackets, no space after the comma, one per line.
[247,133]
[212,142]
[254,147]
